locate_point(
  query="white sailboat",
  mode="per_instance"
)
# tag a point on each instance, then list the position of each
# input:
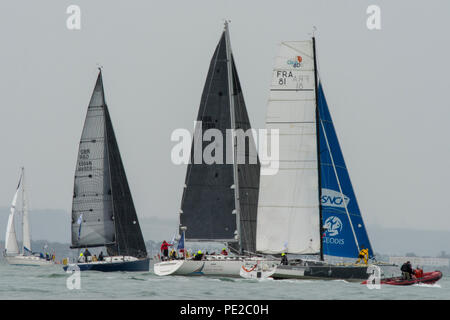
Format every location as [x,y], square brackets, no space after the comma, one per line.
[12,253]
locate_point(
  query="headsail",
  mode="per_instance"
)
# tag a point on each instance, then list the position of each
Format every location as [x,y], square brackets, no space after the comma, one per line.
[344,231]
[129,239]
[209,202]
[11,246]
[288,207]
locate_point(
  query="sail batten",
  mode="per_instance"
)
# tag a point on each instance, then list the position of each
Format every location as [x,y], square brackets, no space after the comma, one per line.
[288,205]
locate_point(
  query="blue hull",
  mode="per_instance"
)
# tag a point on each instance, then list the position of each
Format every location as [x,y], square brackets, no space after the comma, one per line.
[130,266]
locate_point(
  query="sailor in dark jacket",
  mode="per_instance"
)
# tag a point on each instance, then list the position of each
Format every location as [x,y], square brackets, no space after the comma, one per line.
[407,270]
[284,259]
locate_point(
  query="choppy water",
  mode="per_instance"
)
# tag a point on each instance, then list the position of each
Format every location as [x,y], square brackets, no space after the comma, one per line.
[20,282]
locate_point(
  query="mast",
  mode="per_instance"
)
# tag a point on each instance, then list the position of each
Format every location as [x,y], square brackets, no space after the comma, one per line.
[26,235]
[316,80]
[233,127]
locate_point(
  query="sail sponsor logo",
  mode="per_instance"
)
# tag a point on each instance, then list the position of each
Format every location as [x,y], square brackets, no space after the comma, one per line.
[295,62]
[338,241]
[332,198]
[333,226]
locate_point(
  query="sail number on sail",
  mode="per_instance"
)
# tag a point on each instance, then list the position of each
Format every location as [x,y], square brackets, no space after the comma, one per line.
[84,164]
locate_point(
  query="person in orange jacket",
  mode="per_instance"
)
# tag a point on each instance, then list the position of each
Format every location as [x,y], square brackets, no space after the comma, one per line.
[418,273]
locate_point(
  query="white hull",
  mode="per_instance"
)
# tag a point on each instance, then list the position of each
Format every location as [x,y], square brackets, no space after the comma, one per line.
[260,269]
[216,266]
[27,261]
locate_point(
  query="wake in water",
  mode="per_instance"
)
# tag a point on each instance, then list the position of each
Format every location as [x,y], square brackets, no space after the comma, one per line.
[434,285]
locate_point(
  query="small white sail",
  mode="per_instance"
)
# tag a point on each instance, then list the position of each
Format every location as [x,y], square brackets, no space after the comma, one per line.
[26,234]
[11,246]
[288,206]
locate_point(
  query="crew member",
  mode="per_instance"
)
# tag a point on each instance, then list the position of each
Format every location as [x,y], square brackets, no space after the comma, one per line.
[87,254]
[284,259]
[198,255]
[407,270]
[363,254]
[224,252]
[165,249]
[418,272]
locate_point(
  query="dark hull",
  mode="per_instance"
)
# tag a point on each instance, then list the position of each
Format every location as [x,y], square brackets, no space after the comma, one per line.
[324,272]
[141,265]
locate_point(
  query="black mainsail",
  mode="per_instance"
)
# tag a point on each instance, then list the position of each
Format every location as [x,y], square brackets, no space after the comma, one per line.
[219,200]
[103,212]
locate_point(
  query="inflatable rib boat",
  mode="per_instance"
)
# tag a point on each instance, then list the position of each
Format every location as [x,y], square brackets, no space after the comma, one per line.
[428,278]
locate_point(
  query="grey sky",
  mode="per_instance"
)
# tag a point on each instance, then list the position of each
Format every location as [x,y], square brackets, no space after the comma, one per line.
[387,91]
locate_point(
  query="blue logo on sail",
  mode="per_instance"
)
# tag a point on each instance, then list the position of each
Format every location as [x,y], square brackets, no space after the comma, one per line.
[333,226]
[334,199]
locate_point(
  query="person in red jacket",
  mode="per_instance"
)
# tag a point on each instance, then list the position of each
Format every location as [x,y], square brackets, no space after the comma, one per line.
[165,250]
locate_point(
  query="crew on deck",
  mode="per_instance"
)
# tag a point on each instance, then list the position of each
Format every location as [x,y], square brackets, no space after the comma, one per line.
[87,254]
[284,259]
[165,250]
[364,255]
[224,252]
[198,255]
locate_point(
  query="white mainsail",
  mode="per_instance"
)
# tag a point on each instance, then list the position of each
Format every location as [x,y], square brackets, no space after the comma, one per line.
[288,206]
[26,234]
[11,246]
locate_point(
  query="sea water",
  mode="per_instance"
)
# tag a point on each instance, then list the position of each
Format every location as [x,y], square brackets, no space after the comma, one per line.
[51,282]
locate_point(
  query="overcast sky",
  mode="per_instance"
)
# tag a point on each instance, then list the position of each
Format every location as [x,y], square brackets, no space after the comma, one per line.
[387,91]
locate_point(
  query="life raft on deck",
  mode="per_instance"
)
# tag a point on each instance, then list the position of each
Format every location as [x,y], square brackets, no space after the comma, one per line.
[428,278]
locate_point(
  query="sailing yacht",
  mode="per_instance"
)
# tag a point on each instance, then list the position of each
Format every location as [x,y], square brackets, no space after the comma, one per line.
[309,208]
[219,200]
[11,253]
[103,213]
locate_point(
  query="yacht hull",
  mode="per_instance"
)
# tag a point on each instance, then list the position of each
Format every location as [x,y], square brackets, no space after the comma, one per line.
[27,261]
[138,265]
[212,266]
[352,273]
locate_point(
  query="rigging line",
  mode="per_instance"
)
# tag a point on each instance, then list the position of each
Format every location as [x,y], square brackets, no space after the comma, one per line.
[340,187]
